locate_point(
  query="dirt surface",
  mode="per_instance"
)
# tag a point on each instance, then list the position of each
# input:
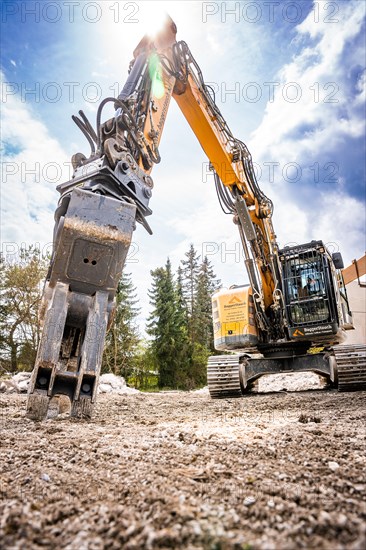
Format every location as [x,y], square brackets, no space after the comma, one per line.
[178,470]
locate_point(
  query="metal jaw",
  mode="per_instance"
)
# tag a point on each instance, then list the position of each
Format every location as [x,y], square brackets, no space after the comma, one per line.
[90,249]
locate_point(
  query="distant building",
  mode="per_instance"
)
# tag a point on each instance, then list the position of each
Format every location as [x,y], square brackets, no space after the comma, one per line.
[354,278]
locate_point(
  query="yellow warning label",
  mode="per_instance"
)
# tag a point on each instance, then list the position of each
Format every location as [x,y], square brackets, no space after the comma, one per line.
[298,333]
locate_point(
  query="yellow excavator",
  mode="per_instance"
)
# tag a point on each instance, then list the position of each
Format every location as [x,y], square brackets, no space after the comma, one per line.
[289,318]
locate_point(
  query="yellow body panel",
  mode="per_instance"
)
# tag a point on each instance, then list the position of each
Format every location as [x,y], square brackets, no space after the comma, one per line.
[233,319]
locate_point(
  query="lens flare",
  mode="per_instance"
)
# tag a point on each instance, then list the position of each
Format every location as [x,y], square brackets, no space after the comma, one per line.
[153,17]
[156,75]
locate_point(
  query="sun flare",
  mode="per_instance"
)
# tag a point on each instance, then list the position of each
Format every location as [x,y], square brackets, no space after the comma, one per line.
[153,16]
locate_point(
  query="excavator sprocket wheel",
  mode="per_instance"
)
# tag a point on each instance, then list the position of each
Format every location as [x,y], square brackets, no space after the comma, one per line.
[223,376]
[351,367]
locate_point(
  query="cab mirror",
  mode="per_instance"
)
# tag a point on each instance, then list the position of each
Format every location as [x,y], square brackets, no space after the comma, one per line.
[337,260]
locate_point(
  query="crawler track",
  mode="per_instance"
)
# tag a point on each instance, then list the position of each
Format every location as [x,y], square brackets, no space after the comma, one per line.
[223,376]
[351,367]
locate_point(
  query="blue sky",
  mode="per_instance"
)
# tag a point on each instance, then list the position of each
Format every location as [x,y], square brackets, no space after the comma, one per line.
[289,78]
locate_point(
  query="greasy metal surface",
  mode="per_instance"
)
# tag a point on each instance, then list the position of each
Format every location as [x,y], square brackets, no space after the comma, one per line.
[93,243]
[99,177]
[90,250]
[245,219]
[89,262]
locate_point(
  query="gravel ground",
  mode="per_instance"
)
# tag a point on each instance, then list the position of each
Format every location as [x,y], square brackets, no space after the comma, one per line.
[178,470]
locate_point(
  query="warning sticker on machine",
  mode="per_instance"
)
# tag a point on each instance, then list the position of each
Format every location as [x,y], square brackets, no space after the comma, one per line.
[235,312]
[320,329]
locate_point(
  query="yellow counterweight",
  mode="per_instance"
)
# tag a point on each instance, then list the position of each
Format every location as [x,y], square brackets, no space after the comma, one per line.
[234,319]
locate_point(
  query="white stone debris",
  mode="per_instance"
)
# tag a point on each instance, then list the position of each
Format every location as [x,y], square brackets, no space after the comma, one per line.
[110,383]
[296,381]
[16,384]
[249,501]
[7,386]
[201,391]
[333,466]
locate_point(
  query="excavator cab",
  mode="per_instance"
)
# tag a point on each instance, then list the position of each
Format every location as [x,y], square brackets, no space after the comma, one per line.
[309,288]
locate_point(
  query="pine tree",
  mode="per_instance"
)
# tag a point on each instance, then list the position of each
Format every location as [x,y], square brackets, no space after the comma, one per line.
[181,322]
[189,283]
[168,326]
[123,337]
[162,324]
[197,282]
[181,301]
[190,273]
[184,351]
[207,284]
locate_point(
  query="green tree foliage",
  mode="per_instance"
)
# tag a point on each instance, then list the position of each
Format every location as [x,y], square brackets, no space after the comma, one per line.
[189,274]
[206,285]
[181,321]
[145,375]
[181,301]
[166,325]
[20,297]
[185,344]
[122,340]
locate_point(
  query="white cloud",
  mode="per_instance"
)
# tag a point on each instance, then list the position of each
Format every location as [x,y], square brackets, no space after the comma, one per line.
[317,127]
[317,77]
[30,159]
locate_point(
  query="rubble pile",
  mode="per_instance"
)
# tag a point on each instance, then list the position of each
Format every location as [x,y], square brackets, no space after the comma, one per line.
[16,384]
[294,381]
[108,383]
